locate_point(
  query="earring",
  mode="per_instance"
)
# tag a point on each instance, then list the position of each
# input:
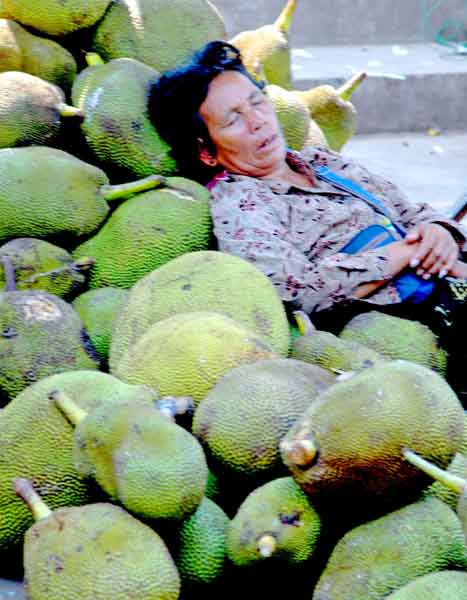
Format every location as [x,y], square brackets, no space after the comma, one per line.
[212,162]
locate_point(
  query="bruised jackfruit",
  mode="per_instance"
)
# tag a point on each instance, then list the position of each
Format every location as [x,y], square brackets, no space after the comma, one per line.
[40,335]
[82,551]
[149,230]
[116,125]
[186,354]
[37,439]
[159,33]
[203,281]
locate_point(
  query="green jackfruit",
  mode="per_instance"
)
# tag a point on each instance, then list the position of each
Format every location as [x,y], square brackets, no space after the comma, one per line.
[38,265]
[160,33]
[458,468]
[31,110]
[98,310]
[207,281]
[347,447]
[154,467]
[149,230]
[67,203]
[36,441]
[20,50]
[268,46]
[40,335]
[83,551]
[116,125]
[442,585]
[380,556]
[201,554]
[244,416]
[55,17]
[397,338]
[186,354]
[275,522]
[293,115]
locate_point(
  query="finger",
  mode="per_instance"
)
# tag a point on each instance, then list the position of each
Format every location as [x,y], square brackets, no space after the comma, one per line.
[439,253]
[449,263]
[414,235]
[424,249]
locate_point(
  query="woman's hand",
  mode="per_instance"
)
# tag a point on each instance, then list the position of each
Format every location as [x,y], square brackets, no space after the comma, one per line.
[437,251]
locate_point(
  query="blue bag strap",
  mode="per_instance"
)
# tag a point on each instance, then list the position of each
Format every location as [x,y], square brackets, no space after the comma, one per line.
[353,188]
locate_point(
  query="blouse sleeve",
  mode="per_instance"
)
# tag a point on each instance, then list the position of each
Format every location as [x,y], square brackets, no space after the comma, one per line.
[247,226]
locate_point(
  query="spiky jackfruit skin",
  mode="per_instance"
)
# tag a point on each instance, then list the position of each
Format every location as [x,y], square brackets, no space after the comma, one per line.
[186,354]
[116,123]
[442,585]
[279,509]
[378,557]
[159,33]
[458,466]
[92,551]
[37,442]
[203,281]
[39,265]
[98,310]
[29,110]
[54,17]
[397,338]
[154,467]
[66,203]
[23,51]
[293,115]
[333,353]
[200,553]
[244,416]
[40,335]
[359,428]
[149,230]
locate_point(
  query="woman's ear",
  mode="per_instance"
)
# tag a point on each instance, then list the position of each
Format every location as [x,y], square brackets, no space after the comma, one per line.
[204,155]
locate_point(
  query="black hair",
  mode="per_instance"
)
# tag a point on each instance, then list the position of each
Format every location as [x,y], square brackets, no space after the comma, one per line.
[174,100]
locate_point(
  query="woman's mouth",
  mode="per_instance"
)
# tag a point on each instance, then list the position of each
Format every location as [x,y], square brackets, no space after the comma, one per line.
[267,143]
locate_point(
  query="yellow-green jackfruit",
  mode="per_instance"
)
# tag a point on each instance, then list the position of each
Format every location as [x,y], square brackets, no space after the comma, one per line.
[441,585]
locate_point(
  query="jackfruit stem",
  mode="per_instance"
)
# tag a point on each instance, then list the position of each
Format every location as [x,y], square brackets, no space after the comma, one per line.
[24,489]
[283,21]
[82,264]
[453,482]
[93,59]
[66,110]
[304,324]
[69,408]
[299,452]
[10,274]
[123,190]
[173,406]
[349,87]
[266,545]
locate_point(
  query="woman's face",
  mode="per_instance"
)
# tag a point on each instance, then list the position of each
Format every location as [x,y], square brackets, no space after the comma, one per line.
[243,126]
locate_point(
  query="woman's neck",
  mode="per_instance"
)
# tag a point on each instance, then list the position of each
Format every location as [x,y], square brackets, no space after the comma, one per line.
[287,174]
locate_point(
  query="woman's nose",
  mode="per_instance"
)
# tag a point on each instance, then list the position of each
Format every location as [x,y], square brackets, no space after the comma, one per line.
[255,120]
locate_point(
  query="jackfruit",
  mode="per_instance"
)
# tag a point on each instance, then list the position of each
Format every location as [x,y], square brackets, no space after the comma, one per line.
[55,17]
[93,552]
[347,447]
[332,110]
[200,553]
[40,335]
[442,585]
[160,33]
[31,110]
[154,467]
[269,46]
[36,442]
[116,125]
[458,468]
[70,202]
[207,281]
[293,115]
[244,416]
[397,338]
[21,50]
[38,265]
[149,230]
[186,354]
[380,556]
[330,352]
[98,310]
[275,522]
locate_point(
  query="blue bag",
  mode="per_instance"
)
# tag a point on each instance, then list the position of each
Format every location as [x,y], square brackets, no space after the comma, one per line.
[410,286]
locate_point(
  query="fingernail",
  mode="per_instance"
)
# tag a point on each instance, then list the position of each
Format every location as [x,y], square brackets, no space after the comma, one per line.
[442,273]
[419,272]
[427,276]
[414,262]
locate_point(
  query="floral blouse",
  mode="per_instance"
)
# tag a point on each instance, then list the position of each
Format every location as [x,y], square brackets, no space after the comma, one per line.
[294,234]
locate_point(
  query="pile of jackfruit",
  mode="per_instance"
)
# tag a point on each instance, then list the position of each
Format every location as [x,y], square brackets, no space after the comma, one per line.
[166,431]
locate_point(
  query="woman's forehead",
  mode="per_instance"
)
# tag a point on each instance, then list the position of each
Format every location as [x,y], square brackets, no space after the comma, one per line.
[226,91]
